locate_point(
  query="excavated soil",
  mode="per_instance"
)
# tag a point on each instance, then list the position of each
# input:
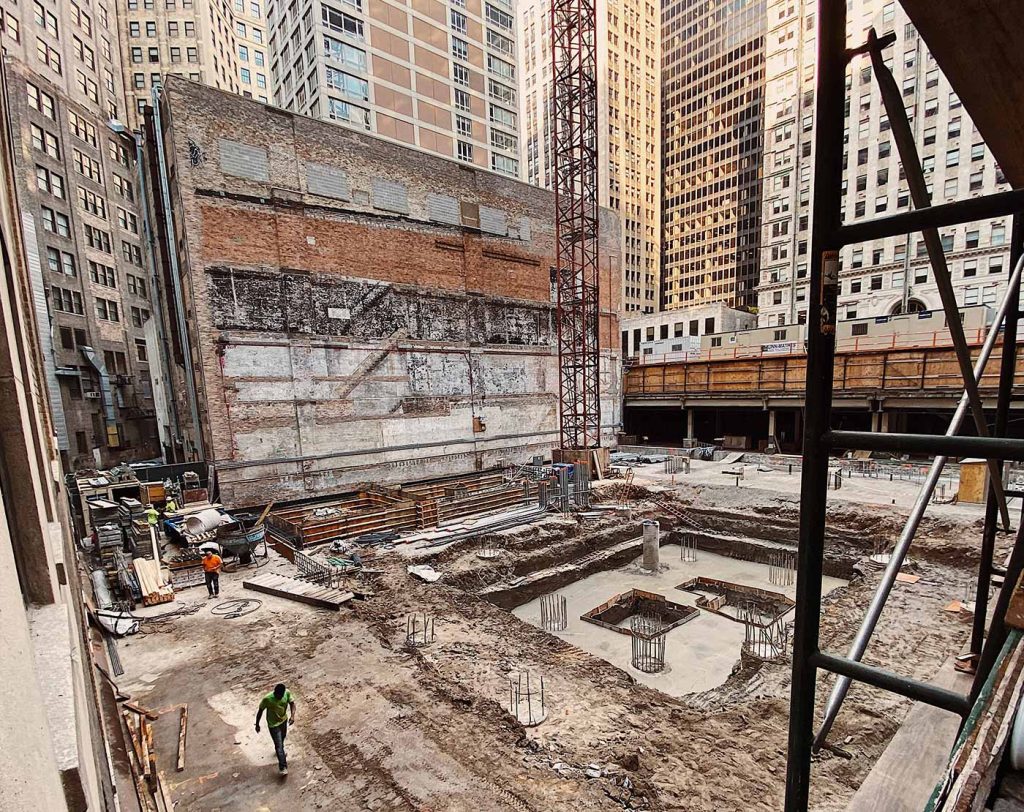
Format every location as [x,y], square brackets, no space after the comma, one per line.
[382,727]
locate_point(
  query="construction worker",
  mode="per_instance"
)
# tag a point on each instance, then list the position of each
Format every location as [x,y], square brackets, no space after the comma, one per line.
[211,569]
[277,704]
[152,515]
[170,505]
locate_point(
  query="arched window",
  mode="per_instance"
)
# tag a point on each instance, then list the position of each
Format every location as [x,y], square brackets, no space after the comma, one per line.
[913,306]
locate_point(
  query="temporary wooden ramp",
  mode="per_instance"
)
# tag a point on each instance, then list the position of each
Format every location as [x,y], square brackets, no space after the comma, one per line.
[282,586]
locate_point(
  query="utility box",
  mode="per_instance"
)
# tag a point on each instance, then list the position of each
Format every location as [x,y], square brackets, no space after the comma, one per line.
[973,481]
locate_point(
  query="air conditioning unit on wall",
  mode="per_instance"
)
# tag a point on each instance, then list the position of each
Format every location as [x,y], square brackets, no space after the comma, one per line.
[93,395]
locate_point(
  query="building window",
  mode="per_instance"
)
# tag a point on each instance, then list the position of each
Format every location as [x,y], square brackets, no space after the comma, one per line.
[66,301]
[499,67]
[246,77]
[458,21]
[136,285]
[56,222]
[139,316]
[140,350]
[461,100]
[497,17]
[876,282]
[41,100]
[92,203]
[97,238]
[45,141]
[50,182]
[463,126]
[340,21]
[345,53]
[460,74]
[102,274]
[106,310]
[338,110]
[464,151]
[505,165]
[460,48]
[351,86]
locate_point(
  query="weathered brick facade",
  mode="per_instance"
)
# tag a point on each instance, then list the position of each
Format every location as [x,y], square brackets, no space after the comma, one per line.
[396,324]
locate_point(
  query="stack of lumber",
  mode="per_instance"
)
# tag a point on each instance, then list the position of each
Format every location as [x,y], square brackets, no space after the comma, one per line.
[150,782]
[109,541]
[151,582]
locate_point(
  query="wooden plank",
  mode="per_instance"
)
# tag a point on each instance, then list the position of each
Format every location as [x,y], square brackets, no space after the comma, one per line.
[1015,611]
[141,711]
[182,732]
[144,739]
[289,592]
[908,769]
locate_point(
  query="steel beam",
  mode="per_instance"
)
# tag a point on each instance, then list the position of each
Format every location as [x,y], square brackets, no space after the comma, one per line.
[904,686]
[903,135]
[989,448]
[1000,204]
[821,331]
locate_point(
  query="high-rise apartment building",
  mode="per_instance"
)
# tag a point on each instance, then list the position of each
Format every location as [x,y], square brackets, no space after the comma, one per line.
[893,275]
[82,225]
[440,76]
[629,127]
[712,125]
[192,38]
[251,39]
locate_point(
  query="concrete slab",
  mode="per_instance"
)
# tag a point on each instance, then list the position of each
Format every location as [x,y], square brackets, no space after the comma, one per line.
[700,654]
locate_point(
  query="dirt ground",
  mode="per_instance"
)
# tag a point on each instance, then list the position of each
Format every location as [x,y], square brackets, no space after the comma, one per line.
[381,727]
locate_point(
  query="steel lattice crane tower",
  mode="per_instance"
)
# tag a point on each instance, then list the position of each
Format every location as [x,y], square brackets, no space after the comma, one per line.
[574,57]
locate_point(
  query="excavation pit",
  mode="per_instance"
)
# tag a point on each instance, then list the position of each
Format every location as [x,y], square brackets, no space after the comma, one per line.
[702,647]
[617,613]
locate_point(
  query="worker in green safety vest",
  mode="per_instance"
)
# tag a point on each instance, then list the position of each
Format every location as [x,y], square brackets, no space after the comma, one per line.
[152,515]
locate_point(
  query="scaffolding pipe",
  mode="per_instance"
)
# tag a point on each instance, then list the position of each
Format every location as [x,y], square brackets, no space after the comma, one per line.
[899,553]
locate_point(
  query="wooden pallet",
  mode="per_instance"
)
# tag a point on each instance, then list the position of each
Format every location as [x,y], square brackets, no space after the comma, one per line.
[302,591]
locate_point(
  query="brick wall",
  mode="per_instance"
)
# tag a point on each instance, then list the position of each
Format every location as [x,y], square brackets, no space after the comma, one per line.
[359,310]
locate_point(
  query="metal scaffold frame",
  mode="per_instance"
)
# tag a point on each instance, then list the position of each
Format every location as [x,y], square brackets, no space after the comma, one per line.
[828,237]
[574,61]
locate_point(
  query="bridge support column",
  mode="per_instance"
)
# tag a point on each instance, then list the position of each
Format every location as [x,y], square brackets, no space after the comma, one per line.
[876,421]
[884,423]
[689,424]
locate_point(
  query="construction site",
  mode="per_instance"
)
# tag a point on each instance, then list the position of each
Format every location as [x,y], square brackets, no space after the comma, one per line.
[631,652]
[416,508]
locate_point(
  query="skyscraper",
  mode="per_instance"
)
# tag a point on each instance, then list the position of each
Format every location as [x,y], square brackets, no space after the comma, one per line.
[629,142]
[893,275]
[712,121]
[193,38]
[435,75]
[82,226]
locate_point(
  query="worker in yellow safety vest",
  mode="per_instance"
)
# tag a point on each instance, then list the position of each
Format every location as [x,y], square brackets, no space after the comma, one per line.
[152,515]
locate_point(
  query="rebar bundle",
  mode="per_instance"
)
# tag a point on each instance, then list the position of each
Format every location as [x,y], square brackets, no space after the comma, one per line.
[419,630]
[554,616]
[688,547]
[766,642]
[526,699]
[782,567]
[648,643]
